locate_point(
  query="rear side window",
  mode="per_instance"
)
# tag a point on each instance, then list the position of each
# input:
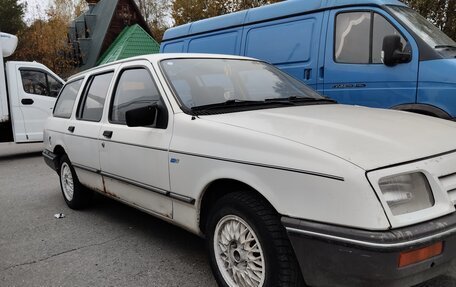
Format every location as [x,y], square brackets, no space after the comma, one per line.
[65,102]
[40,83]
[135,89]
[93,102]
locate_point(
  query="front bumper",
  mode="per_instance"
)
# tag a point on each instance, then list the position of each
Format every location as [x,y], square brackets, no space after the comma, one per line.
[338,256]
[51,159]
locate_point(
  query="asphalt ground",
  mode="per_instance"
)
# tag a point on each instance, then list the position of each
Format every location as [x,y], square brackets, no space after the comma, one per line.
[109,244]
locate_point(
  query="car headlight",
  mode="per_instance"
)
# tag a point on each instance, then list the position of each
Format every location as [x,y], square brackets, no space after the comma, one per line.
[406,193]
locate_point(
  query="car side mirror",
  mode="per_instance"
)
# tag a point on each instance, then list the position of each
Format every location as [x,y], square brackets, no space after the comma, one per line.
[141,117]
[392,52]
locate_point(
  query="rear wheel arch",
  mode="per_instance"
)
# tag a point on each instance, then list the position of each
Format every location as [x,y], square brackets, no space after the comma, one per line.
[219,188]
[59,151]
[74,193]
[424,109]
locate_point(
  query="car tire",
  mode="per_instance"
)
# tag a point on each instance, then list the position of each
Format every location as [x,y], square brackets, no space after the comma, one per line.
[75,194]
[248,245]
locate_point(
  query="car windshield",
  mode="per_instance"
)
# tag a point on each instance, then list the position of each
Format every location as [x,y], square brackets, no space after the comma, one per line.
[422,27]
[202,82]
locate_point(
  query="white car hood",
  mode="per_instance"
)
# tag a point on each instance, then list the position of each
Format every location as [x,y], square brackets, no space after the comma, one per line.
[368,138]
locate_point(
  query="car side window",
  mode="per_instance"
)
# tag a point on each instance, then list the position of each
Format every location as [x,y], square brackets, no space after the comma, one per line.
[93,102]
[40,83]
[359,37]
[134,89]
[65,102]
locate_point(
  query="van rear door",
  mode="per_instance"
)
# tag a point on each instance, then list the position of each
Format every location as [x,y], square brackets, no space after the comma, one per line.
[353,69]
[33,89]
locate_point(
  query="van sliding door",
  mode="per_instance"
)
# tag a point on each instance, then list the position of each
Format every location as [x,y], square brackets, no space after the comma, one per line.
[290,44]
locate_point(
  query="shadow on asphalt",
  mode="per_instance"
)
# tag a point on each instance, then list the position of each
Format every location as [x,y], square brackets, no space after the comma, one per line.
[178,239]
[441,281]
[19,156]
[149,226]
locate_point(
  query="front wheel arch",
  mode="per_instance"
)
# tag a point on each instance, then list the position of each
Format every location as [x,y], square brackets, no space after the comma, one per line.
[216,190]
[278,260]
[424,109]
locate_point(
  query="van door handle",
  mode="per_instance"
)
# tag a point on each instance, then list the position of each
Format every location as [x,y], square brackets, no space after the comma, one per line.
[322,73]
[71,129]
[27,102]
[107,134]
[307,73]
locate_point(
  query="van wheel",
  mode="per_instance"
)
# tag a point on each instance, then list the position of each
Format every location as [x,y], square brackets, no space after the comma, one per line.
[76,196]
[248,245]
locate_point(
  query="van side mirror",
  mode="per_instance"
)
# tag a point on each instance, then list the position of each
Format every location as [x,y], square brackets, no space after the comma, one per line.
[143,116]
[392,52]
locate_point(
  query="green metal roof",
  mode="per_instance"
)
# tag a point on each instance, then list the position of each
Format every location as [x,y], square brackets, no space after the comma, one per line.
[132,41]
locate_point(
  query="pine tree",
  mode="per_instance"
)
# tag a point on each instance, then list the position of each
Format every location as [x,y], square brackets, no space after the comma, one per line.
[11,14]
[156,13]
[441,13]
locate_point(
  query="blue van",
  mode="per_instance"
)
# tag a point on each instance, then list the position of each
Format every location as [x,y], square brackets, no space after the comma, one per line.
[376,53]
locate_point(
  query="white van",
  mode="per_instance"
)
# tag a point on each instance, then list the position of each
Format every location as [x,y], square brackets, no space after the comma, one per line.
[27,96]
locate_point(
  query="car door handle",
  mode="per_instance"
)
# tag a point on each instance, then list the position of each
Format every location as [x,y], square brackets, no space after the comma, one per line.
[71,129]
[107,134]
[27,102]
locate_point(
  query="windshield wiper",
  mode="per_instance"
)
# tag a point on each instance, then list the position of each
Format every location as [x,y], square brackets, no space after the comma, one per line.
[290,101]
[295,99]
[233,103]
[227,104]
[445,46]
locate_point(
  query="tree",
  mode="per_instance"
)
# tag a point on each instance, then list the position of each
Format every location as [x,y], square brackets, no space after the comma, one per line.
[185,11]
[80,7]
[67,9]
[46,39]
[156,13]
[11,16]
[441,13]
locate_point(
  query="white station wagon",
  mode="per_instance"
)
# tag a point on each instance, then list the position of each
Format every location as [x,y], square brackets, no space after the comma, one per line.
[288,187]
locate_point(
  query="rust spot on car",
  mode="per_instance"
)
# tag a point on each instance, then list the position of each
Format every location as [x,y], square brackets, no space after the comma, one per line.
[111,194]
[104,184]
[106,191]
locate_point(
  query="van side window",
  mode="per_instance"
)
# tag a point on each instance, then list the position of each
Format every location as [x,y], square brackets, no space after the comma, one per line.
[382,28]
[356,32]
[352,37]
[65,102]
[135,89]
[93,102]
[40,83]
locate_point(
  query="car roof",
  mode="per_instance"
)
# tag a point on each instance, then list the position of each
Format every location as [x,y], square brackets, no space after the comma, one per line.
[159,57]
